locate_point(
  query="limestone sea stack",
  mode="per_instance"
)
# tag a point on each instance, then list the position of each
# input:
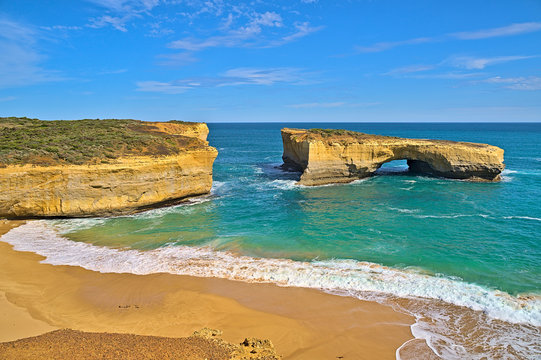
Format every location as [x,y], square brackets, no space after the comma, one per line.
[85,168]
[341,156]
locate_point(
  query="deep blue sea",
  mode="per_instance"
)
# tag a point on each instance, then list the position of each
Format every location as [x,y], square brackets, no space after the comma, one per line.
[476,246]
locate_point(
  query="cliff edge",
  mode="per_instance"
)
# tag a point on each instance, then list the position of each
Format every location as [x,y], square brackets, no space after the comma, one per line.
[341,156]
[82,168]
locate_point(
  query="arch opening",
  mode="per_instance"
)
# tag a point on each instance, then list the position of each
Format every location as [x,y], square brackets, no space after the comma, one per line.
[405,166]
[393,167]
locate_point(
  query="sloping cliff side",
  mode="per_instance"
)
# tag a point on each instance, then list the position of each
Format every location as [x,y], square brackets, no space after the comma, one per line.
[341,156]
[100,167]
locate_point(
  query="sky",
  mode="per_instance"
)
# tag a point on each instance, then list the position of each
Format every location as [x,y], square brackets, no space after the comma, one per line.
[272,61]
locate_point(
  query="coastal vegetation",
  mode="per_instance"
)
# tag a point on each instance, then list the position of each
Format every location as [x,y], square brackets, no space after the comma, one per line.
[340,135]
[331,132]
[33,141]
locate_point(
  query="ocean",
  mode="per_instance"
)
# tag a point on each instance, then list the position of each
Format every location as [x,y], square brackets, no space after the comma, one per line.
[463,258]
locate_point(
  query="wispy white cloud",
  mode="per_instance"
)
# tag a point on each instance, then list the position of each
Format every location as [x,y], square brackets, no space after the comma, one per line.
[157,30]
[459,62]
[317,105]
[62,27]
[196,8]
[331,105]
[112,72]
[232,77]
[161,87]
[448,75]
[21,58]
[382,46]
[513,29]
[248,35]
[177,59]
[122,12]
[410,69]
[251,76]
[233,38]
[194,44]
[516,83]
[7,98]
[127,6]
[470,62]
[302,29]
[118,22]
[258,20]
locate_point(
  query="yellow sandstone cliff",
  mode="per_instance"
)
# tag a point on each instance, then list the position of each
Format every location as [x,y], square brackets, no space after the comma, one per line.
[124,185]
[341,156]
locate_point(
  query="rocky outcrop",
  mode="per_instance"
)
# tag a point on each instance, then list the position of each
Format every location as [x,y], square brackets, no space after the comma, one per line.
[341,156]
[124,185]
[189,129]
[249,349]
[74,344]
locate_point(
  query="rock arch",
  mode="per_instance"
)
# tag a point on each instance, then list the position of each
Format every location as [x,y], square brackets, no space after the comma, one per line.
[340,156]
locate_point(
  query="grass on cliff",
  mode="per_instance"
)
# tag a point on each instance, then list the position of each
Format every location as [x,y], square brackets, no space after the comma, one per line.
[33,141]
[341,134]
[333,132]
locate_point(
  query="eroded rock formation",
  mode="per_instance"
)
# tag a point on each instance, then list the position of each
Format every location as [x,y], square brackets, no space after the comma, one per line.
[122,185]
[341,156]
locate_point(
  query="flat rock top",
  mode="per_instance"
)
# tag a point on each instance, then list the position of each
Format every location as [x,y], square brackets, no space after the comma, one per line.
[350,137]
[92,141]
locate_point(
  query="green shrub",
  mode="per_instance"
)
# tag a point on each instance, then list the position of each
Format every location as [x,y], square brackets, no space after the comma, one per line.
[24,140]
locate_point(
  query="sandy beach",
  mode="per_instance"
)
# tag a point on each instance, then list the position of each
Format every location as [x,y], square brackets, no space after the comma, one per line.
[302,323]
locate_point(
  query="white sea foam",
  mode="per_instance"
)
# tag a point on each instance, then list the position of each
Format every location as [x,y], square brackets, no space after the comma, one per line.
[507,172]
[505,175]
[485,216]
[404,211]
[70,225]
[334,275]
[456,333]
[217,187]
[284,184]
[360,181]
[451,216]
[523,218]
[407,188]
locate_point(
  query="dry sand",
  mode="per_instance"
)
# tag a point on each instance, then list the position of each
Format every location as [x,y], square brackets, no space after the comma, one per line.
[302,323]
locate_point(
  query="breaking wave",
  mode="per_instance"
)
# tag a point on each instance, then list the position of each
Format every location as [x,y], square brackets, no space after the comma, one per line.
[331,275]
[502,321]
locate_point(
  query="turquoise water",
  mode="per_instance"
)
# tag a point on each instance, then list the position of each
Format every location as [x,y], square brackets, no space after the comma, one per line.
[483,233]
[473,245]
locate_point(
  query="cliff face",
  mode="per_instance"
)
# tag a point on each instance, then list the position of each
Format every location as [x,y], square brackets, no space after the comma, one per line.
[127,184]
[340,156]
[195,130]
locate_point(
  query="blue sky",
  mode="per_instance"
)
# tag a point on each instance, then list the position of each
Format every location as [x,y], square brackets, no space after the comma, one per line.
[296,60]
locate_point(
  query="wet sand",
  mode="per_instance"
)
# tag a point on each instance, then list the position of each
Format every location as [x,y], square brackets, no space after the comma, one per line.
[301,323]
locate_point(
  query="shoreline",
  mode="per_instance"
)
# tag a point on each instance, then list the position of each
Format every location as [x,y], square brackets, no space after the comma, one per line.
[301,323]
